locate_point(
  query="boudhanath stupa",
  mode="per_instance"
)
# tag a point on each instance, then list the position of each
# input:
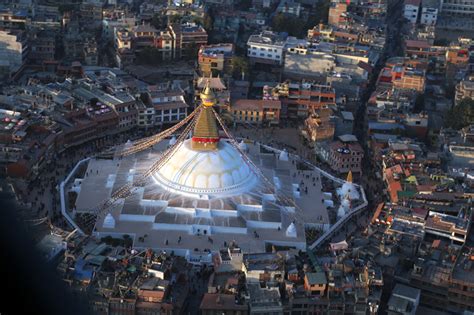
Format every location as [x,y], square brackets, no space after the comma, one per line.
[207,190]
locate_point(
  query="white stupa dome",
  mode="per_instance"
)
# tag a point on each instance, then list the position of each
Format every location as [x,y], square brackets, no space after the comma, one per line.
[197,173]
[172,141]
[284,155]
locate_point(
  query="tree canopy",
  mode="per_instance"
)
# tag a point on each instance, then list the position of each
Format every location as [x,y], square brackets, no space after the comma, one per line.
[239,65]
[461,115]
[149,56]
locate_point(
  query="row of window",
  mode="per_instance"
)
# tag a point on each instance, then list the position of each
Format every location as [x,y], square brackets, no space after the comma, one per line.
[263,55]
[164,112]
[265,49]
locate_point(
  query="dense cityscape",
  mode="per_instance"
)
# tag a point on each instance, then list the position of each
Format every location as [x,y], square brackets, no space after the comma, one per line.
[239,156]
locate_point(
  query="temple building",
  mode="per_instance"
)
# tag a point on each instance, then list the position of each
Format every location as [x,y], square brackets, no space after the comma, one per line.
[207,191]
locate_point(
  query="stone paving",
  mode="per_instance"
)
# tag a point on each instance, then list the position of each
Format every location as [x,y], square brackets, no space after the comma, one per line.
[311,203]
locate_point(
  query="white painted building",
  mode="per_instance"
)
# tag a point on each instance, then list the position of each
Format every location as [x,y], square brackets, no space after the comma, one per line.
[109,26]
[411,10]
[267,47]
[462,8]
[429,12]
[13,50]
[165,108]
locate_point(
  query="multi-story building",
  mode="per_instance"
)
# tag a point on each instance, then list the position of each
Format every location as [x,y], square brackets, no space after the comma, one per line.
[422,49]
[345,155]
[267,48]
[411,10]
[123,39]
[404,300]
[217,303]
[337,10]
[162,107]
[289,7]
[43,47]
[13,20]
[91,55]
[215,59]
[110,26]
[408,78]
[92,13]
[429,12]
[143,35]
[13,50]
[465,89]
[299,99]
[164,42]
[187,37]
[256,111]
[463,8]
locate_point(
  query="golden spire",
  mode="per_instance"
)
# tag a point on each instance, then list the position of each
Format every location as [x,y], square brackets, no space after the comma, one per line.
[349,177]
[206,134]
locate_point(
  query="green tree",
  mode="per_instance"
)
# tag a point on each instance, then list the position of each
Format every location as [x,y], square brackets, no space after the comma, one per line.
[190,52]
[158,21]
[461,115]
[245,5]
[208,22]
[419,103]
[239,65]
[293,25]
[198,20]
[149,56]
[176,18]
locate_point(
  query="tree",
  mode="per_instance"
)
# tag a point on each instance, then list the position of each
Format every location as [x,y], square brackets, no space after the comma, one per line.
[174,19]
[293,25]
[461,115]
[190,52]
[419,103]
[158,21]
[245,5]
[239,65]
[149,56]
[208,22]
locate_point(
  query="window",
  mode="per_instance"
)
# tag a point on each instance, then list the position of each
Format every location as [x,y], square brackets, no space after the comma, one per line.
[262,55]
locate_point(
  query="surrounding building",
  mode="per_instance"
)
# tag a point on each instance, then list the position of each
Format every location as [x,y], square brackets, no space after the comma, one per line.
[404,300]
[345,155]
[187,38]
[267,48]
[411,10]
[429,12]
[215,59]
[458,8]
[13,51]
[256,111]
[299,99]
[337,12]
[465,89]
